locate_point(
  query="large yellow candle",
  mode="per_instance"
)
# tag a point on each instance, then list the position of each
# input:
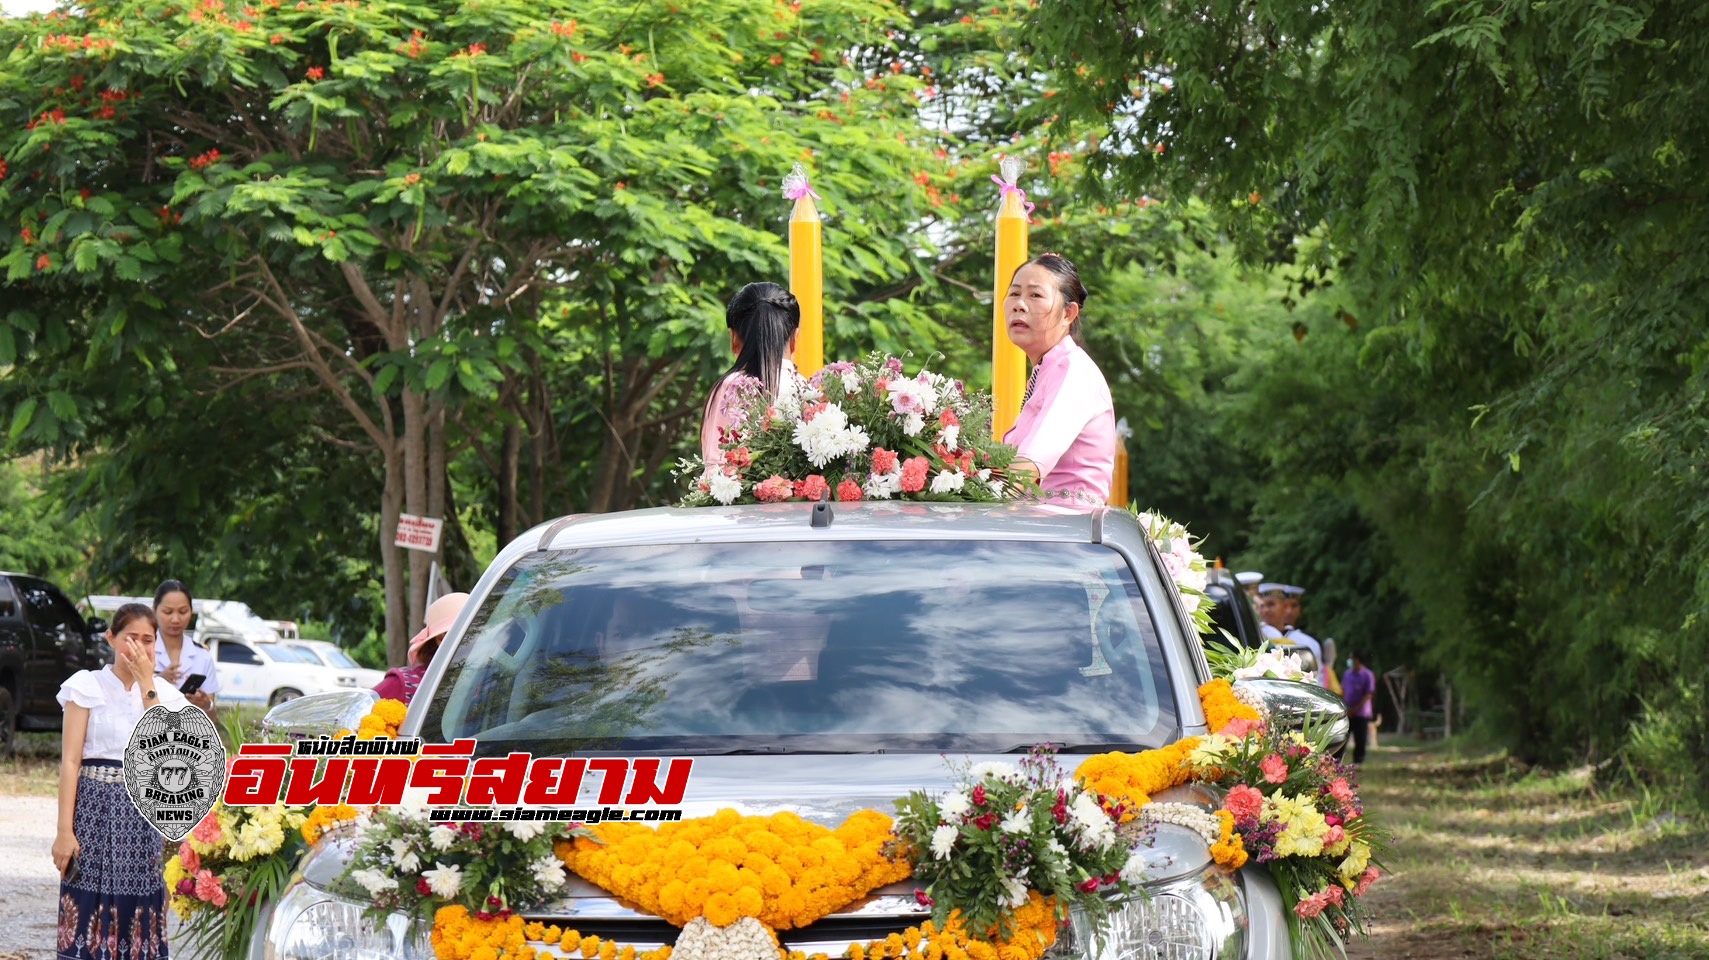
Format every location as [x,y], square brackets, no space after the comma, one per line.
[806,271]
[1118,486]
[1008,363]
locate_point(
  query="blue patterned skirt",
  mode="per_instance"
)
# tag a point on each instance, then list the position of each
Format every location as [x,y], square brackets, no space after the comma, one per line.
[115,909]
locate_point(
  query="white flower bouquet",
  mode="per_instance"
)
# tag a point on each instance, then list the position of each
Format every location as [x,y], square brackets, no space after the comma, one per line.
[409,864]
[856,431]
[1007,830]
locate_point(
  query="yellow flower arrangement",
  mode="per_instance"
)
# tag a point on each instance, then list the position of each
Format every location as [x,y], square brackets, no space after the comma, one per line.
[781,870]
[1129,779]
[384,720]
[325,818]
[1222,707]
[1229,851]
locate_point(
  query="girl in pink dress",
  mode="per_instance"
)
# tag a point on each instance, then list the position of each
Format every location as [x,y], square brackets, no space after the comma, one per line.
[763,318]
[1067,423]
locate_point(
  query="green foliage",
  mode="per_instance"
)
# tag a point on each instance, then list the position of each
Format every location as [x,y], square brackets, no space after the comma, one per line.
[1507,201]
[40,539]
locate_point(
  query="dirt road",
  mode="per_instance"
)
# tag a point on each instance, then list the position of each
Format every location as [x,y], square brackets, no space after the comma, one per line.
[29,887]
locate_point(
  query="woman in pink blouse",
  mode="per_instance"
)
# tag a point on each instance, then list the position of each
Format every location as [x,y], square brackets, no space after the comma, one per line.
[1067,424]
[763,318]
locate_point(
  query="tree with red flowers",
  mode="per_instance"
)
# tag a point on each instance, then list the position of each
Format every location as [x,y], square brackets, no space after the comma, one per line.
[408,210]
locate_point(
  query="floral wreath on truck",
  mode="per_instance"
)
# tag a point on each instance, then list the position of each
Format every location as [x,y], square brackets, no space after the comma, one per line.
[1002,859]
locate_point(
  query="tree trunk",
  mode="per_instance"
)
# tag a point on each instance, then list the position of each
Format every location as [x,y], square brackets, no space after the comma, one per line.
[415,457]
[392,561]
[509,465]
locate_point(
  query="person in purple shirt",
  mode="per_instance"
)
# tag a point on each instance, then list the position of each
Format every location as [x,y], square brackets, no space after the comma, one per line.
[400,683]
[1358,689]
[1067,425]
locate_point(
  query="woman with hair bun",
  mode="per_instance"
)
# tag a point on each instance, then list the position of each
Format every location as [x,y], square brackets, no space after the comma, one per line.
[1067,424]
[763,319]
[176,657]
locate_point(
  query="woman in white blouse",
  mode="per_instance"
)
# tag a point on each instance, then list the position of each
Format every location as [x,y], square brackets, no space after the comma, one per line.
[112,894]
[176,657]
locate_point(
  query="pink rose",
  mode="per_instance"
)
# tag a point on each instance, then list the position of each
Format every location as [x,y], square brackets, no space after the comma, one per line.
[883,461]
[774,489]
[1244,801]
[848,491]
[187,887]
[812,488]
[1275,769]
[1333,820]
[1334,836]
[914,474]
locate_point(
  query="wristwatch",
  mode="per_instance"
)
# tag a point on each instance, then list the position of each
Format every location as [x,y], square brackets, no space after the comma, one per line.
[151,695]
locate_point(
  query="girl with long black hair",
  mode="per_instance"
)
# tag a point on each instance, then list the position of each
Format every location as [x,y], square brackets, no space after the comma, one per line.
[763,319]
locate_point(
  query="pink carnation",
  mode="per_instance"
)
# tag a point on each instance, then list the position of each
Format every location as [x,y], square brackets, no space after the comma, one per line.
[1334,894]
[1335,835]
[208,889]
[883,461]
[948,418]
[1340,790]
[812,488]
[1239,727]
[1365,880]
[914,474]
[848,491]
[1313,905]
[1244,801]
[1275,769]
[774,489]
[188,856]
[208,831]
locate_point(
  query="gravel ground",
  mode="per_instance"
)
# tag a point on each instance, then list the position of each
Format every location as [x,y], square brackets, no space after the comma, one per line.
[29,887]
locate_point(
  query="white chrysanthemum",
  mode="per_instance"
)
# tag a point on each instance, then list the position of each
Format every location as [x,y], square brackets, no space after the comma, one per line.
[414,804]
[829,436]
[851,382]
[549,872]
[1018,821]
[955,804]
[445,882]
[1092,826]
[403,854]
[374,882]
[725,489]
[882,486]
[1134,870]
[952,436]
[1007,772]
[935,386]
[912,424]
[442,837]
[1014,892]
[948,481]
[525,829]
[943,840]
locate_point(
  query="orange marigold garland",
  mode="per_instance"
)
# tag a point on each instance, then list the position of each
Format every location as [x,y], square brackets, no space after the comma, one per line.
[1127,780]
[1229,851]
[1222,708]
[1034,932]
[324,818]
[782,870]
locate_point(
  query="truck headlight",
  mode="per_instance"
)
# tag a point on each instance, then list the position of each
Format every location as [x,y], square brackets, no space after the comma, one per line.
[312,924]
[1198,917]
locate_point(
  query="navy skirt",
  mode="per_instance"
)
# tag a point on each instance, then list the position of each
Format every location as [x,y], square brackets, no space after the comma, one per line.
[115,909]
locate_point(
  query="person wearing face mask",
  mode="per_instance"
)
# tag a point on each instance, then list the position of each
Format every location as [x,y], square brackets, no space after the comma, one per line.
[1358,691]
[1066,430]
[111,888]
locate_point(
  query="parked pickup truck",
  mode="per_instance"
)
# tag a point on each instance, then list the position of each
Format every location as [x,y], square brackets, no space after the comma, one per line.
[43,641]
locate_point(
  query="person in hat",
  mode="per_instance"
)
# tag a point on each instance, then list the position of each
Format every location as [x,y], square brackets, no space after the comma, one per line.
[400,683]
[1291,614]
[1269,601]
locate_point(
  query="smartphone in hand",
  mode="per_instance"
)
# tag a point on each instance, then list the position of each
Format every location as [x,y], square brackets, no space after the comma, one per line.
[193,683]
[74,869]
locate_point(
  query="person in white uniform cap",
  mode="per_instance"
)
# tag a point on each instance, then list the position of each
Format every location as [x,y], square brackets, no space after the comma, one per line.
[1272,610]
[1290,603]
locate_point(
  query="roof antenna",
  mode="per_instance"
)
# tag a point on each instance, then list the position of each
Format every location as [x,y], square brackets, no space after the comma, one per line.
[822,515]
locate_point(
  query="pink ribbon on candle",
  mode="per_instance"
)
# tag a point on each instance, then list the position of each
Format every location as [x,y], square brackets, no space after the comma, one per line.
[795,185]
[1004,188]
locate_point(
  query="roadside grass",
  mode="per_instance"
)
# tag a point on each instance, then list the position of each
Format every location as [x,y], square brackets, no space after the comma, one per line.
[32,770]
[1495,861]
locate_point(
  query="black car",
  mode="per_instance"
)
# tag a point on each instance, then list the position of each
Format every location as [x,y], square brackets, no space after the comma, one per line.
[1231,611]
[43,641]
